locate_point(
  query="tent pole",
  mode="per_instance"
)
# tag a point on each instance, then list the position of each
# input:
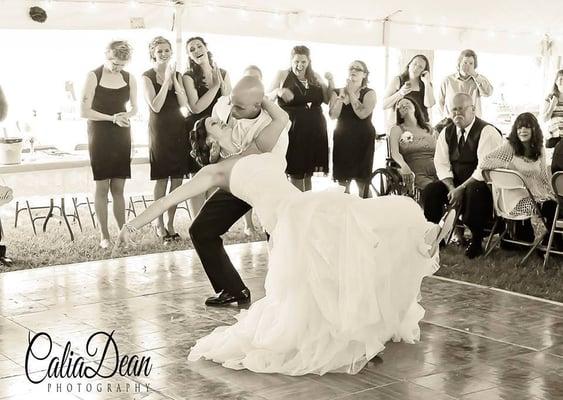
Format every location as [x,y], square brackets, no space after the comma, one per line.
[178,17]
[385,42]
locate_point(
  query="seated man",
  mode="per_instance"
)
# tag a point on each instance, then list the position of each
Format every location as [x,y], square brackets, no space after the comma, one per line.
[459,150]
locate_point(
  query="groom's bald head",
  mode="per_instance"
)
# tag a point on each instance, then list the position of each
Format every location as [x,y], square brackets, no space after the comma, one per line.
[246,98]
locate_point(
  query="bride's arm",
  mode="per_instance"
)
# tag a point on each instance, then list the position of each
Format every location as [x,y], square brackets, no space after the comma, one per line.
[210,176]
[268,137]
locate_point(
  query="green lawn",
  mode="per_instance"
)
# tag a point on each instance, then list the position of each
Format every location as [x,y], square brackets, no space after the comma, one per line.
[499,270]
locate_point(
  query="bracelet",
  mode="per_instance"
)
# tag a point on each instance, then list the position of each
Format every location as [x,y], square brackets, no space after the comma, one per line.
[180,92]
[114,118]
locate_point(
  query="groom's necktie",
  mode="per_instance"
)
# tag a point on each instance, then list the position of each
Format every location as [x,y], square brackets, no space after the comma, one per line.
[461,142]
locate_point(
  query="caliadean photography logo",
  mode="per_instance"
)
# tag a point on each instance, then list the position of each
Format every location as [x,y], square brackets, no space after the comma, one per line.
[66,371]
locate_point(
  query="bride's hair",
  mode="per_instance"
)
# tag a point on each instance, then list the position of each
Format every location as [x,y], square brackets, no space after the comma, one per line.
[201,151]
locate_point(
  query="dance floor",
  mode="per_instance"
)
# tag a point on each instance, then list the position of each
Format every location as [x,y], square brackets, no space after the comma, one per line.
[477,343]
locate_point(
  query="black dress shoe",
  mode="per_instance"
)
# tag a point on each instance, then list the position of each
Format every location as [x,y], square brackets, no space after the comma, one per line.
[475,249]
[224,298]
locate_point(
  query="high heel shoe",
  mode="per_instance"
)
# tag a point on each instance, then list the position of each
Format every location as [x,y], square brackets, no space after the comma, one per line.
[104,244]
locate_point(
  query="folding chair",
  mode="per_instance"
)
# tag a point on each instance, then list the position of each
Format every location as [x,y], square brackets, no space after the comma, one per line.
[503,183]
[557,227]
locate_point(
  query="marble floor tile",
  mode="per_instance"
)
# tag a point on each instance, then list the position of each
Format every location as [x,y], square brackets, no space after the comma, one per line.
[476,343]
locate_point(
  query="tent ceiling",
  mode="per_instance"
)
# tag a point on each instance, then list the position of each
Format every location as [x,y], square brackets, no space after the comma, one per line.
[515,26]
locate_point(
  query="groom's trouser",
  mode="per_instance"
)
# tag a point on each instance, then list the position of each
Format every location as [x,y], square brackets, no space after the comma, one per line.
[216,217]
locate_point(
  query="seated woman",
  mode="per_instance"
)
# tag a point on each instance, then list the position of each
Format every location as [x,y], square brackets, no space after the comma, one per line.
[412,145]
[524,152]
[334,296]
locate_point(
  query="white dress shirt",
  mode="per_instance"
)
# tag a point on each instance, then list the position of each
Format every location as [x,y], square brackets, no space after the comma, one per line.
[474,86]
[490,139]
[246,130]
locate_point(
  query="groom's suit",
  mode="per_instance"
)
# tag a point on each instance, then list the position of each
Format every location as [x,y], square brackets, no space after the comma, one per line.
[223,209]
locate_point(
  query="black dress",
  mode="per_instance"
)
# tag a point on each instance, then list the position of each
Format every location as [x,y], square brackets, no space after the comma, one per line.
[308,140]
[109,145]
[354,144]
[168,142]
[192,118]
[418,96]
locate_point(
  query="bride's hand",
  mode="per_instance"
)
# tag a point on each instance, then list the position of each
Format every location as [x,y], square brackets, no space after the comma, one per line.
[123,239]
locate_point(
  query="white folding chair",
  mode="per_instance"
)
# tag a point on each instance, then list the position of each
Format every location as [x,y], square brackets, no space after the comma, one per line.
[557,227]
[505,183]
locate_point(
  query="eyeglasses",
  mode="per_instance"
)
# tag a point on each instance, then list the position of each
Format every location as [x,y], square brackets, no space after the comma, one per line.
[357,69]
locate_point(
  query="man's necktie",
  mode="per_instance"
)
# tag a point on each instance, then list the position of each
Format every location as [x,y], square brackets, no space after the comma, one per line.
[461,142]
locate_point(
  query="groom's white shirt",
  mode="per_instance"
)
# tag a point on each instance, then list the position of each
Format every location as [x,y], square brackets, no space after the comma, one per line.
[245,130]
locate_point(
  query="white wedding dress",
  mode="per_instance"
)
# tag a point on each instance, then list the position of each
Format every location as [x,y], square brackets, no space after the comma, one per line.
[344,275]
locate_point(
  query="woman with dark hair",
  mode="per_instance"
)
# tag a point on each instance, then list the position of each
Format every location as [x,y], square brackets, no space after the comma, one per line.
[524,152]
[552,112]
[331,303]
[415,82]
[168,142]
[300,92]
[106,93]
[354,135]
[412,145]
[204,83]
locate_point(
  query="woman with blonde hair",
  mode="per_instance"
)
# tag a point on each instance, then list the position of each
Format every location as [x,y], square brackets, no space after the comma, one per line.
[106,93]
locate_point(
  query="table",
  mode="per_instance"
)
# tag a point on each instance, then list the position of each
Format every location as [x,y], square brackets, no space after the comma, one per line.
[56,174]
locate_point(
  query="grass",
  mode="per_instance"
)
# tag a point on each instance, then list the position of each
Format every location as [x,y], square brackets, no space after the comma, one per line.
[499,270]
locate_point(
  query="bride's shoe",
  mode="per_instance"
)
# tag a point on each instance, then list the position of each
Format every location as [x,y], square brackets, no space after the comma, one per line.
[104,244]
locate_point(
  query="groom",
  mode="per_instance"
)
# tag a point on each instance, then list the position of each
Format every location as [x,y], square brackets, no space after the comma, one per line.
[242,111]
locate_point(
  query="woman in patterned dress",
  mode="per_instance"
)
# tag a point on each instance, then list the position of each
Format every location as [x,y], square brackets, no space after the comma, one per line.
[524,152]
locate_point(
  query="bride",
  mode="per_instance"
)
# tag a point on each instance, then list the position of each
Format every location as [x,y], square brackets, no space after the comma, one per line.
[344,273]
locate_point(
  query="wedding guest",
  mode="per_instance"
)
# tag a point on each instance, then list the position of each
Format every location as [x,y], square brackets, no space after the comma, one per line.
[3,114]
[552,111]
[415,82]
[459,149]
[412,145]
[524,153]
[254,71]
[3,106]
[168,142]
[557,159]
[354,136]
[106,93]
[204,83]
[300,92]
[465,80]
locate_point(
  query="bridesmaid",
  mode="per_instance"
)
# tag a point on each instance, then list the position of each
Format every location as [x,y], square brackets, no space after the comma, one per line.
[107,91]
[168,143]
[204,83]
[354,136]
[300,92]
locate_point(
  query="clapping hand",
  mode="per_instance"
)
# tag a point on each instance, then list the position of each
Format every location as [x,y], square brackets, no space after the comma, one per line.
[329,77]
[170,72]
[285,94]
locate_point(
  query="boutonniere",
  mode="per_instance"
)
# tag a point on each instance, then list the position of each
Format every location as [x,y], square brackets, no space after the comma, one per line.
[406,137]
